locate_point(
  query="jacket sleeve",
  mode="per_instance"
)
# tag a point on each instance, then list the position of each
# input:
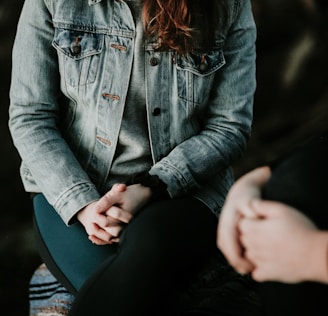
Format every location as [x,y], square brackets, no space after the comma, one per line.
[228,119]
[34,113]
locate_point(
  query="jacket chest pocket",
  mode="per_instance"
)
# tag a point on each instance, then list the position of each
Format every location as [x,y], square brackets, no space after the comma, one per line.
[195,74]
[79,55]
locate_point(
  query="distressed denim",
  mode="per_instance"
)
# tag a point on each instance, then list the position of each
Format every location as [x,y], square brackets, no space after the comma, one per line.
[72,63]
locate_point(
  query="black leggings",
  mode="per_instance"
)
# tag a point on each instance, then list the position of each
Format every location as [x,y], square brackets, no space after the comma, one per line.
[162,248]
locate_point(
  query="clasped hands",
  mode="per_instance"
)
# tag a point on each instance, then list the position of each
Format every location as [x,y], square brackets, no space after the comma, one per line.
[105,219]
[268,239]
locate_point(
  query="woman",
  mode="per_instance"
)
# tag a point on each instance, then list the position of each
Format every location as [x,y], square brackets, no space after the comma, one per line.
[127,116]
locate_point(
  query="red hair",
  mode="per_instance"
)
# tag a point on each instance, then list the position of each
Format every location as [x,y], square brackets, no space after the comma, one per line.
[182,25]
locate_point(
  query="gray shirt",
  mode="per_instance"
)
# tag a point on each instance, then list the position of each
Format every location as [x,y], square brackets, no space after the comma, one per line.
[133,150]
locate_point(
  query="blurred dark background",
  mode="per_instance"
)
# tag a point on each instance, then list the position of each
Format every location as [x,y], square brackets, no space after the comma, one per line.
[290,108]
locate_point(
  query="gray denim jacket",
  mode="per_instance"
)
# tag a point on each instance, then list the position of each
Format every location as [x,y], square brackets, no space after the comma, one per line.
[71,68]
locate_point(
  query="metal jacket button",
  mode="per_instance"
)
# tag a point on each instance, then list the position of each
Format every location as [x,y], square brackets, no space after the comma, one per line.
[154,61]
[156,111]
[76,50]
[203,67]
[203,64]
[76,47]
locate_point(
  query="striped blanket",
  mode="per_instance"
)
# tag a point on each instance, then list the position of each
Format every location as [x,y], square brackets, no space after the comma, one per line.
[218,291]
[47,296]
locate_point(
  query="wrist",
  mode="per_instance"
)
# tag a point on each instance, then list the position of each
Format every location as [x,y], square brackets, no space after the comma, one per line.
[325,271]
[320,258]
[81,214]
[156,186]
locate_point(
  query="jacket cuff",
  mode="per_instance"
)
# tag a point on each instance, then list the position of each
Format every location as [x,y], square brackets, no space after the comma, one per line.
[156,185]
[73,200]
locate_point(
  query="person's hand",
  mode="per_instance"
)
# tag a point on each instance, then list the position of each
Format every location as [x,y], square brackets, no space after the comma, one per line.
[105,219]
[283,244]
[103,227]
[129,200]
[239,198]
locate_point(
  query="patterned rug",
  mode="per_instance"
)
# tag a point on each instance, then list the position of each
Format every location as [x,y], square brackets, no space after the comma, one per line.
[217,291]
[47,296]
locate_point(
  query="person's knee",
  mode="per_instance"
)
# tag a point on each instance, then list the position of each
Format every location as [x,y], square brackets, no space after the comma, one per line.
[172,231]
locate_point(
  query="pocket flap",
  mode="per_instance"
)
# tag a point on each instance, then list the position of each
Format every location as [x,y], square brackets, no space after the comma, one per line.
[201,64]
[77,44]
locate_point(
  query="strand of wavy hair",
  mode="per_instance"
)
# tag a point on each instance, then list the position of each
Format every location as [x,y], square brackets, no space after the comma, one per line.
[184,25]
[169,21]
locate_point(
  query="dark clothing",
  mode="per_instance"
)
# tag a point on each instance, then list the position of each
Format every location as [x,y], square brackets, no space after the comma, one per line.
[300,180]
[165,245]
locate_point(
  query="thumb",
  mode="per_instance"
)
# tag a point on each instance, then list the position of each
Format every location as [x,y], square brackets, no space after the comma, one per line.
[118,187]
[106,202]
[265,208]
[257,177]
